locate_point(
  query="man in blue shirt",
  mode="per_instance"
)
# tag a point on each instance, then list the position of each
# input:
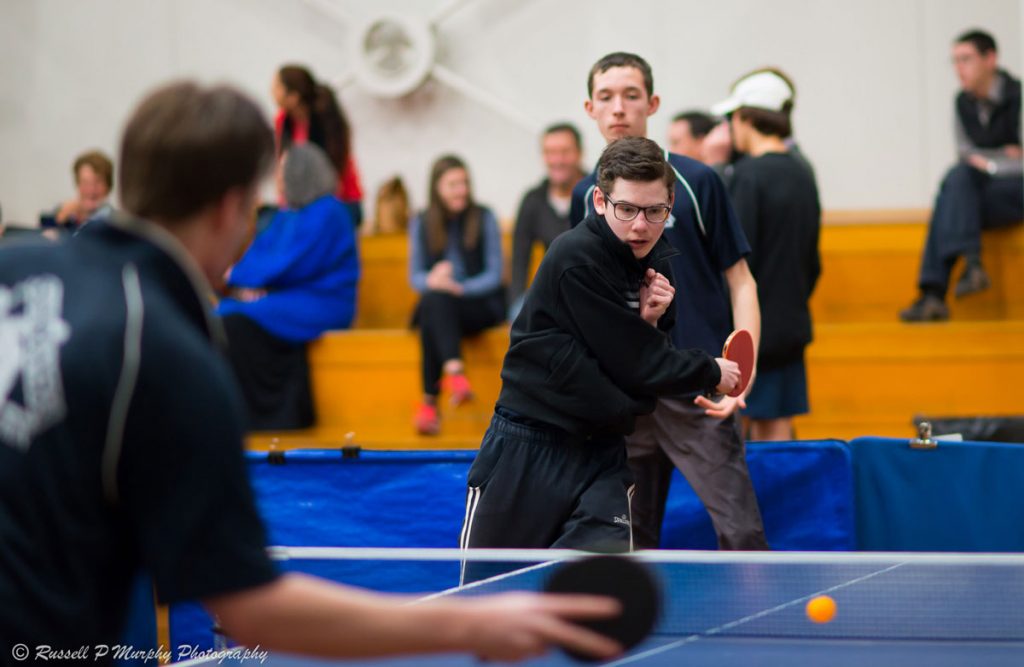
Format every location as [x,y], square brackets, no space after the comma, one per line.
[715,294]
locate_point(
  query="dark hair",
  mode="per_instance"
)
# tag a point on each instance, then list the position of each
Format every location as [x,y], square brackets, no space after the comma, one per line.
[566,127]
[99,162]
[774,123]
[186,146]
[700,123]
[981,40]
[328,125]
[633,159]
[437,216]
[765,121]
[621,59]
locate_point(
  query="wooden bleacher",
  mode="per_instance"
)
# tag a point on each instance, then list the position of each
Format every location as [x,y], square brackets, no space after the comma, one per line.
[868,373]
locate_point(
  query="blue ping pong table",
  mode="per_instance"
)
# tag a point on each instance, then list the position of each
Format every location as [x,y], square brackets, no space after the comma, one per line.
[748,609]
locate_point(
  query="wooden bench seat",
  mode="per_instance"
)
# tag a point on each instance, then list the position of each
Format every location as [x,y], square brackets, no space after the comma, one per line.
[870,261]
[869,271]
[864,379]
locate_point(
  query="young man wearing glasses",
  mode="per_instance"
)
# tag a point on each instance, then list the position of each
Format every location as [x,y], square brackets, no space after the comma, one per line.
[589,352]
[699,434]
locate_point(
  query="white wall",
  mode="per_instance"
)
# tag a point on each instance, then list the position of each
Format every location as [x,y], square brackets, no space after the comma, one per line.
[875,86]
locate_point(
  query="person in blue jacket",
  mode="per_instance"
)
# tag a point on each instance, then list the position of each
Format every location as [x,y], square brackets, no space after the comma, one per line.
[297,280]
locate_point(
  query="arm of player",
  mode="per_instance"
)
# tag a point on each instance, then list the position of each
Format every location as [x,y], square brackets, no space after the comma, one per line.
[301,614]
[746,314]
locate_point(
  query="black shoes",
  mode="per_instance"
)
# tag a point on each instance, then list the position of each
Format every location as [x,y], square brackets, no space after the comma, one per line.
[932,308]
[928,308]
[972,280]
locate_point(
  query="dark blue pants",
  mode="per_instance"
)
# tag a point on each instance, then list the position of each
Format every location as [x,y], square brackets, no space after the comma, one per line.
[969,200]
[537,488]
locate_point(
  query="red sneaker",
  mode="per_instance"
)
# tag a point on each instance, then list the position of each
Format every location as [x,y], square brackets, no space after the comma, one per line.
[458,387]
[427,420]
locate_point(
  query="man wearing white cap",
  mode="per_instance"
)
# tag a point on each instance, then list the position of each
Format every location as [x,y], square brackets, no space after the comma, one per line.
[776,201]
[715,293]
[719,139]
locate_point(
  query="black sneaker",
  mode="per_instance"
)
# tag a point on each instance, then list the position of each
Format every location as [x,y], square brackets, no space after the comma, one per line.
[972,280]
[928,308]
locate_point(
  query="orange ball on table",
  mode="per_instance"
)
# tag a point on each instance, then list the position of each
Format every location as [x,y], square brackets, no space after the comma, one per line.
[821,609]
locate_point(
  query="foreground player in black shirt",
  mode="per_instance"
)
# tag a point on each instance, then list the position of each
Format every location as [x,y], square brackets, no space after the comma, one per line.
[121,428]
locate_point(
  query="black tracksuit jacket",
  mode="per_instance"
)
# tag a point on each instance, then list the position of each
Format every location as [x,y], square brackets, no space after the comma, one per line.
[581,359]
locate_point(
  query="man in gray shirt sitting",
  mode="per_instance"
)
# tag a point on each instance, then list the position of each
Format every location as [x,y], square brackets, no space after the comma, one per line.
[984,189]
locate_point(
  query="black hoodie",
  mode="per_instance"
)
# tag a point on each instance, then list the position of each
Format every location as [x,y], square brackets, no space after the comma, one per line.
[581,358]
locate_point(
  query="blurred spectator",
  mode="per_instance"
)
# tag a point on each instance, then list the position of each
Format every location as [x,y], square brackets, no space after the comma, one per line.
[391,214]
[687,132]
[984,189]
[309,111]
[544,211]
[455,260]
[93,172]
[297,280]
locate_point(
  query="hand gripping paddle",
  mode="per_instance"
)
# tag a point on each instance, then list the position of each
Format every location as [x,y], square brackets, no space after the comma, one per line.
[629,581]
[739,347]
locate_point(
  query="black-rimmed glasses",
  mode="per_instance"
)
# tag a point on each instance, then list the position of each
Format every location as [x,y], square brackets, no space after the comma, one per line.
[626,212]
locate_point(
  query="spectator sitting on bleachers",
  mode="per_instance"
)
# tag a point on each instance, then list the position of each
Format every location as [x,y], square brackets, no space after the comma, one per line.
[94,177]
[297,280]
[544,211]
[391,213]
[984,189]
[308,111]
[455,260]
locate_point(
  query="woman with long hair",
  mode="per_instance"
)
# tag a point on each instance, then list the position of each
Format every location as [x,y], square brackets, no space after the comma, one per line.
[309,111]
[455,264]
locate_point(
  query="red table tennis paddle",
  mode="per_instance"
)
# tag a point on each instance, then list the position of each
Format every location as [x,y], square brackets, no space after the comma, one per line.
[739,347]
[628,580]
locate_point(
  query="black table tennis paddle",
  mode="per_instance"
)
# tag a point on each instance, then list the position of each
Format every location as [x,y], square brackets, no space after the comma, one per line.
[628,580]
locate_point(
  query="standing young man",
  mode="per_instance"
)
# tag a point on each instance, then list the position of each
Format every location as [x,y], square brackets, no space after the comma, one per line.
[121,428]
[984,189]
[716,293]
[588,353]
[776,200]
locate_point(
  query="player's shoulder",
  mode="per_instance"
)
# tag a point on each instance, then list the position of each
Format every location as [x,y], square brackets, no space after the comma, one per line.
[588,181]
[692,170]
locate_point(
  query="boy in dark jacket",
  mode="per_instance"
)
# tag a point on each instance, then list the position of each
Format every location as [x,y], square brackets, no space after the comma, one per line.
[588,353]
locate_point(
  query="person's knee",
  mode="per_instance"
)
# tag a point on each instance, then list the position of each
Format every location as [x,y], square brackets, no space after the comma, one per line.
[435,297]
[961,175]
[434,303]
